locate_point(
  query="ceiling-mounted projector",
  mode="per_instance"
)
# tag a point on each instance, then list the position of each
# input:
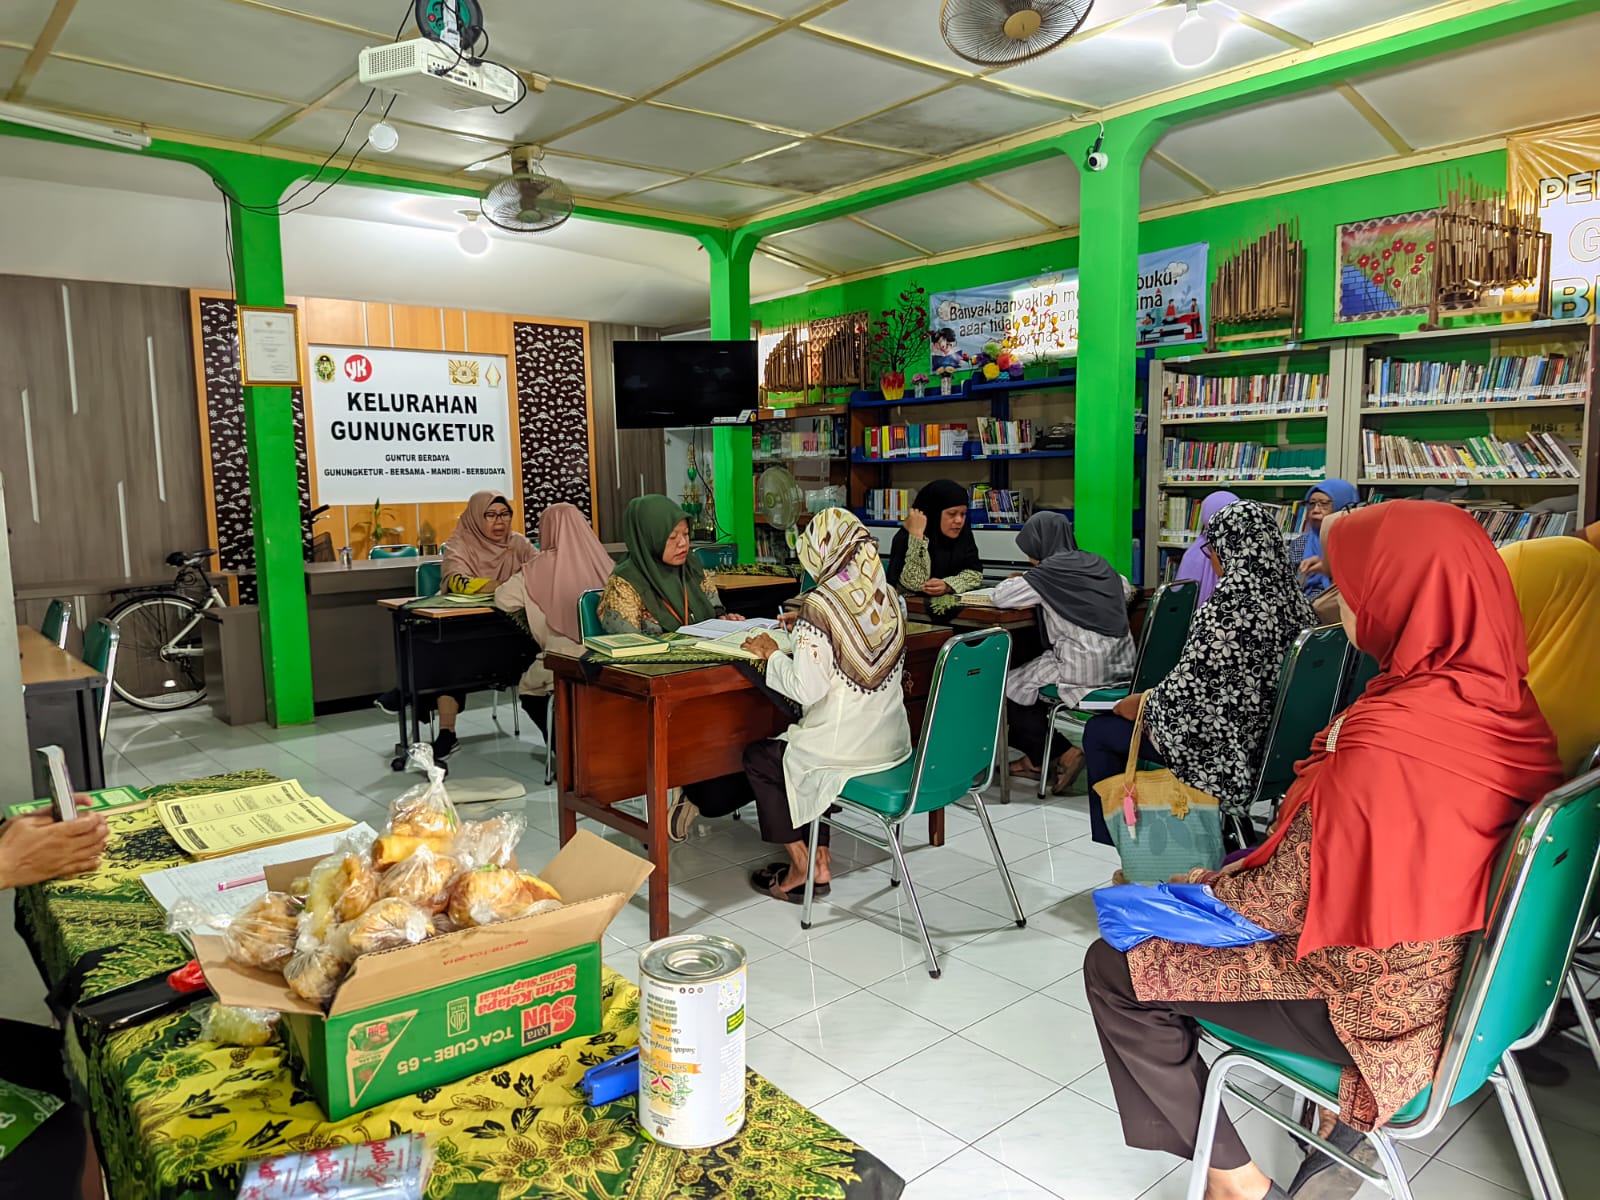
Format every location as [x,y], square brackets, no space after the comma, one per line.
[433,72]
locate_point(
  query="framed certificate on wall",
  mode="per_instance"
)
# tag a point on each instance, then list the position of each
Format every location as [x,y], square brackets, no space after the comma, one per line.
[269,347]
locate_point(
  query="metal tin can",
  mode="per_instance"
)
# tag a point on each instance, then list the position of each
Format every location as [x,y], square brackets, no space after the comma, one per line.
[691,1040]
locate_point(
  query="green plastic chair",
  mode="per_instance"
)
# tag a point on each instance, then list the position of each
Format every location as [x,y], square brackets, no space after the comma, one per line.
[963,722]
[1576,992]
[430,578]
[392,552]
[1509,985]
[1360,671]
[1166,626]
[589,614]
[57,622]
[1309,683]
[100,643]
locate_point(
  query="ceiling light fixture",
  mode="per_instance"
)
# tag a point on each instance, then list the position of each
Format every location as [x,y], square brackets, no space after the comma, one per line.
[472,239]
[383,137]
[92,131]
[1195,41]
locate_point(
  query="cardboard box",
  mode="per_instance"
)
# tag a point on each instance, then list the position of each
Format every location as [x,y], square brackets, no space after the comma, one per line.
[457,1004]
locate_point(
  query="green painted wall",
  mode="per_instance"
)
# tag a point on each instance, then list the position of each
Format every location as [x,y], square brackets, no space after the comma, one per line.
[1319,211]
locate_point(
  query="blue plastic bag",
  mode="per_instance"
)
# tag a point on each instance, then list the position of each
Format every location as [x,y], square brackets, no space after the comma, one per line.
[1178,912]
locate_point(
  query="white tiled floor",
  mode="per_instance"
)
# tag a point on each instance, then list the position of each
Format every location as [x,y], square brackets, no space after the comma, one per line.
[986,1082]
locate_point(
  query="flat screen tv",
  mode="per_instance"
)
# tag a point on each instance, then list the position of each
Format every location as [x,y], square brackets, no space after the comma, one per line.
[670,385]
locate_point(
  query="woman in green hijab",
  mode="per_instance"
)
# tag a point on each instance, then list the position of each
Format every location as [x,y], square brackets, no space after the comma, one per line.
[660,585]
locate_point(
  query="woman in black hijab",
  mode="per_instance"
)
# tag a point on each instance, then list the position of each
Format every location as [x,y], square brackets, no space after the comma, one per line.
[935,553]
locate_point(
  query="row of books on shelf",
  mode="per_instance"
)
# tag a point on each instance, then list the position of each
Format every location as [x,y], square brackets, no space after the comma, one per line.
[1001,506]
[1005,437]
[1194,396]
[1504,378]
[1537,456]
[827,440]
[1180,518]
[1199,462]
[915,441]
[1505,523]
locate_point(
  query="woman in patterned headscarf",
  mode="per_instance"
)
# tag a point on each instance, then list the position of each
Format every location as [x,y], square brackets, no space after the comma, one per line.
[845,673]
[1207,720]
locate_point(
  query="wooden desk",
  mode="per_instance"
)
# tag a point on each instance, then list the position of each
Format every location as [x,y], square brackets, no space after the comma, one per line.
[753,595]
[642,729]
[58,697]
[452,648]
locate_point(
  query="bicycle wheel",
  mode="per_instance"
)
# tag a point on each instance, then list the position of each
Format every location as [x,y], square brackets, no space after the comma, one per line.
[153,670]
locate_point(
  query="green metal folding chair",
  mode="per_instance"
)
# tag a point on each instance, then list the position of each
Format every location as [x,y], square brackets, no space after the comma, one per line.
[57,622]
[1576,992]
[1508,989]
[392,552]
[1166,625]
[589,614]
[1309,683]
[100,643]
[963,722]
[430,578]
[1360,670]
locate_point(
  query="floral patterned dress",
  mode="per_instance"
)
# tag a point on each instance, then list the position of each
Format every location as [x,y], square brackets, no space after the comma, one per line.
[1387,1006]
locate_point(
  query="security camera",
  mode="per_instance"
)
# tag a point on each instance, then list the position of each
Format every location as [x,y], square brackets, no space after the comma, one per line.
[1097,159]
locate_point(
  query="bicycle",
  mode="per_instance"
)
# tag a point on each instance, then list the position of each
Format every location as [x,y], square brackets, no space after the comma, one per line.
[159,663]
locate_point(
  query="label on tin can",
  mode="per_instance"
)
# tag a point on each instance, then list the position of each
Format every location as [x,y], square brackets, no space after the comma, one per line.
[691,1041]
[395,1169]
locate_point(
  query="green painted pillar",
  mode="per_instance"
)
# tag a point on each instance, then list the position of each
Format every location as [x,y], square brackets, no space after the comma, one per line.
[732,475]
[269,443]
[1108,299]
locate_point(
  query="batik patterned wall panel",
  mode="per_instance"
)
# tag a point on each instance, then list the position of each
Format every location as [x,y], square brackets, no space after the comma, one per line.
[225,440]
[552,418]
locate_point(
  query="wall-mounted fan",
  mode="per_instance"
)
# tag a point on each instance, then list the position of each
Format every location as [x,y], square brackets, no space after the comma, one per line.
[1002,33]
[527,200]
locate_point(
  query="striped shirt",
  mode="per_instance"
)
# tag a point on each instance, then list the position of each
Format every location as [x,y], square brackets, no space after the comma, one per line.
[1078,661]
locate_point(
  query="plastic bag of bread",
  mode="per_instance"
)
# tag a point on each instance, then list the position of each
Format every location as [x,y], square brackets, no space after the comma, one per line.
[422,877]
[261,934]
[339,888]
[490,894]
[490,843]
[314,972]
[229,1026]
[387,925]
[423,816]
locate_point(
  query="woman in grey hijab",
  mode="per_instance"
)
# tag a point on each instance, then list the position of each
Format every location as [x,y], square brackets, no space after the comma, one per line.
[1083,622]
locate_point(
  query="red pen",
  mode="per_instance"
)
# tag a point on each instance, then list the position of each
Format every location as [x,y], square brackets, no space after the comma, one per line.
[248,879]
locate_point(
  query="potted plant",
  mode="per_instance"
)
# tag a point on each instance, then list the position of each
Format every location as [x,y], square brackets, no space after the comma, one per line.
[896,335]
[919,385]
[372,531]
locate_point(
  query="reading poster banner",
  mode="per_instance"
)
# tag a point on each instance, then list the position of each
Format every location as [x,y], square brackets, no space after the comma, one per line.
[1038,318]
[408,426]
[1559,169]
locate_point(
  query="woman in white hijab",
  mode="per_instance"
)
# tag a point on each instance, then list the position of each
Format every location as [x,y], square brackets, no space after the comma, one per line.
[845,673]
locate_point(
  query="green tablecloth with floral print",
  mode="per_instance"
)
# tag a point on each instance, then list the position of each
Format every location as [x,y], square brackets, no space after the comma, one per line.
[176,1117]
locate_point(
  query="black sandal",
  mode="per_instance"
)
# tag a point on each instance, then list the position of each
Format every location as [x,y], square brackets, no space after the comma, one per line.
[763,878]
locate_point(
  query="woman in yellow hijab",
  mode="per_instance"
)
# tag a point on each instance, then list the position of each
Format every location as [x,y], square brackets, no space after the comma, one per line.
[1557,581]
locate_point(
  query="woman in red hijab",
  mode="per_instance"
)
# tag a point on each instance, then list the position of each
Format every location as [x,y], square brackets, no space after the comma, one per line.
[1379,870]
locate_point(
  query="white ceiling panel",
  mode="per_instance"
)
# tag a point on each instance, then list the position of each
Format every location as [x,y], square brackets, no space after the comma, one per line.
[21,20]
[656,137]
[961,116]
[375,16]
[1051,188]
[319,133]
[953,218]
[537,118]
[816,165]
[783,8]
[842,246]
[1229,151]
[903,28]
[797,81]
[229,45]
[1135,58]
[116,94]
[1159,186]
[712,198]
[1487,88]
[1317,20]
[10,63]
[626,46]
